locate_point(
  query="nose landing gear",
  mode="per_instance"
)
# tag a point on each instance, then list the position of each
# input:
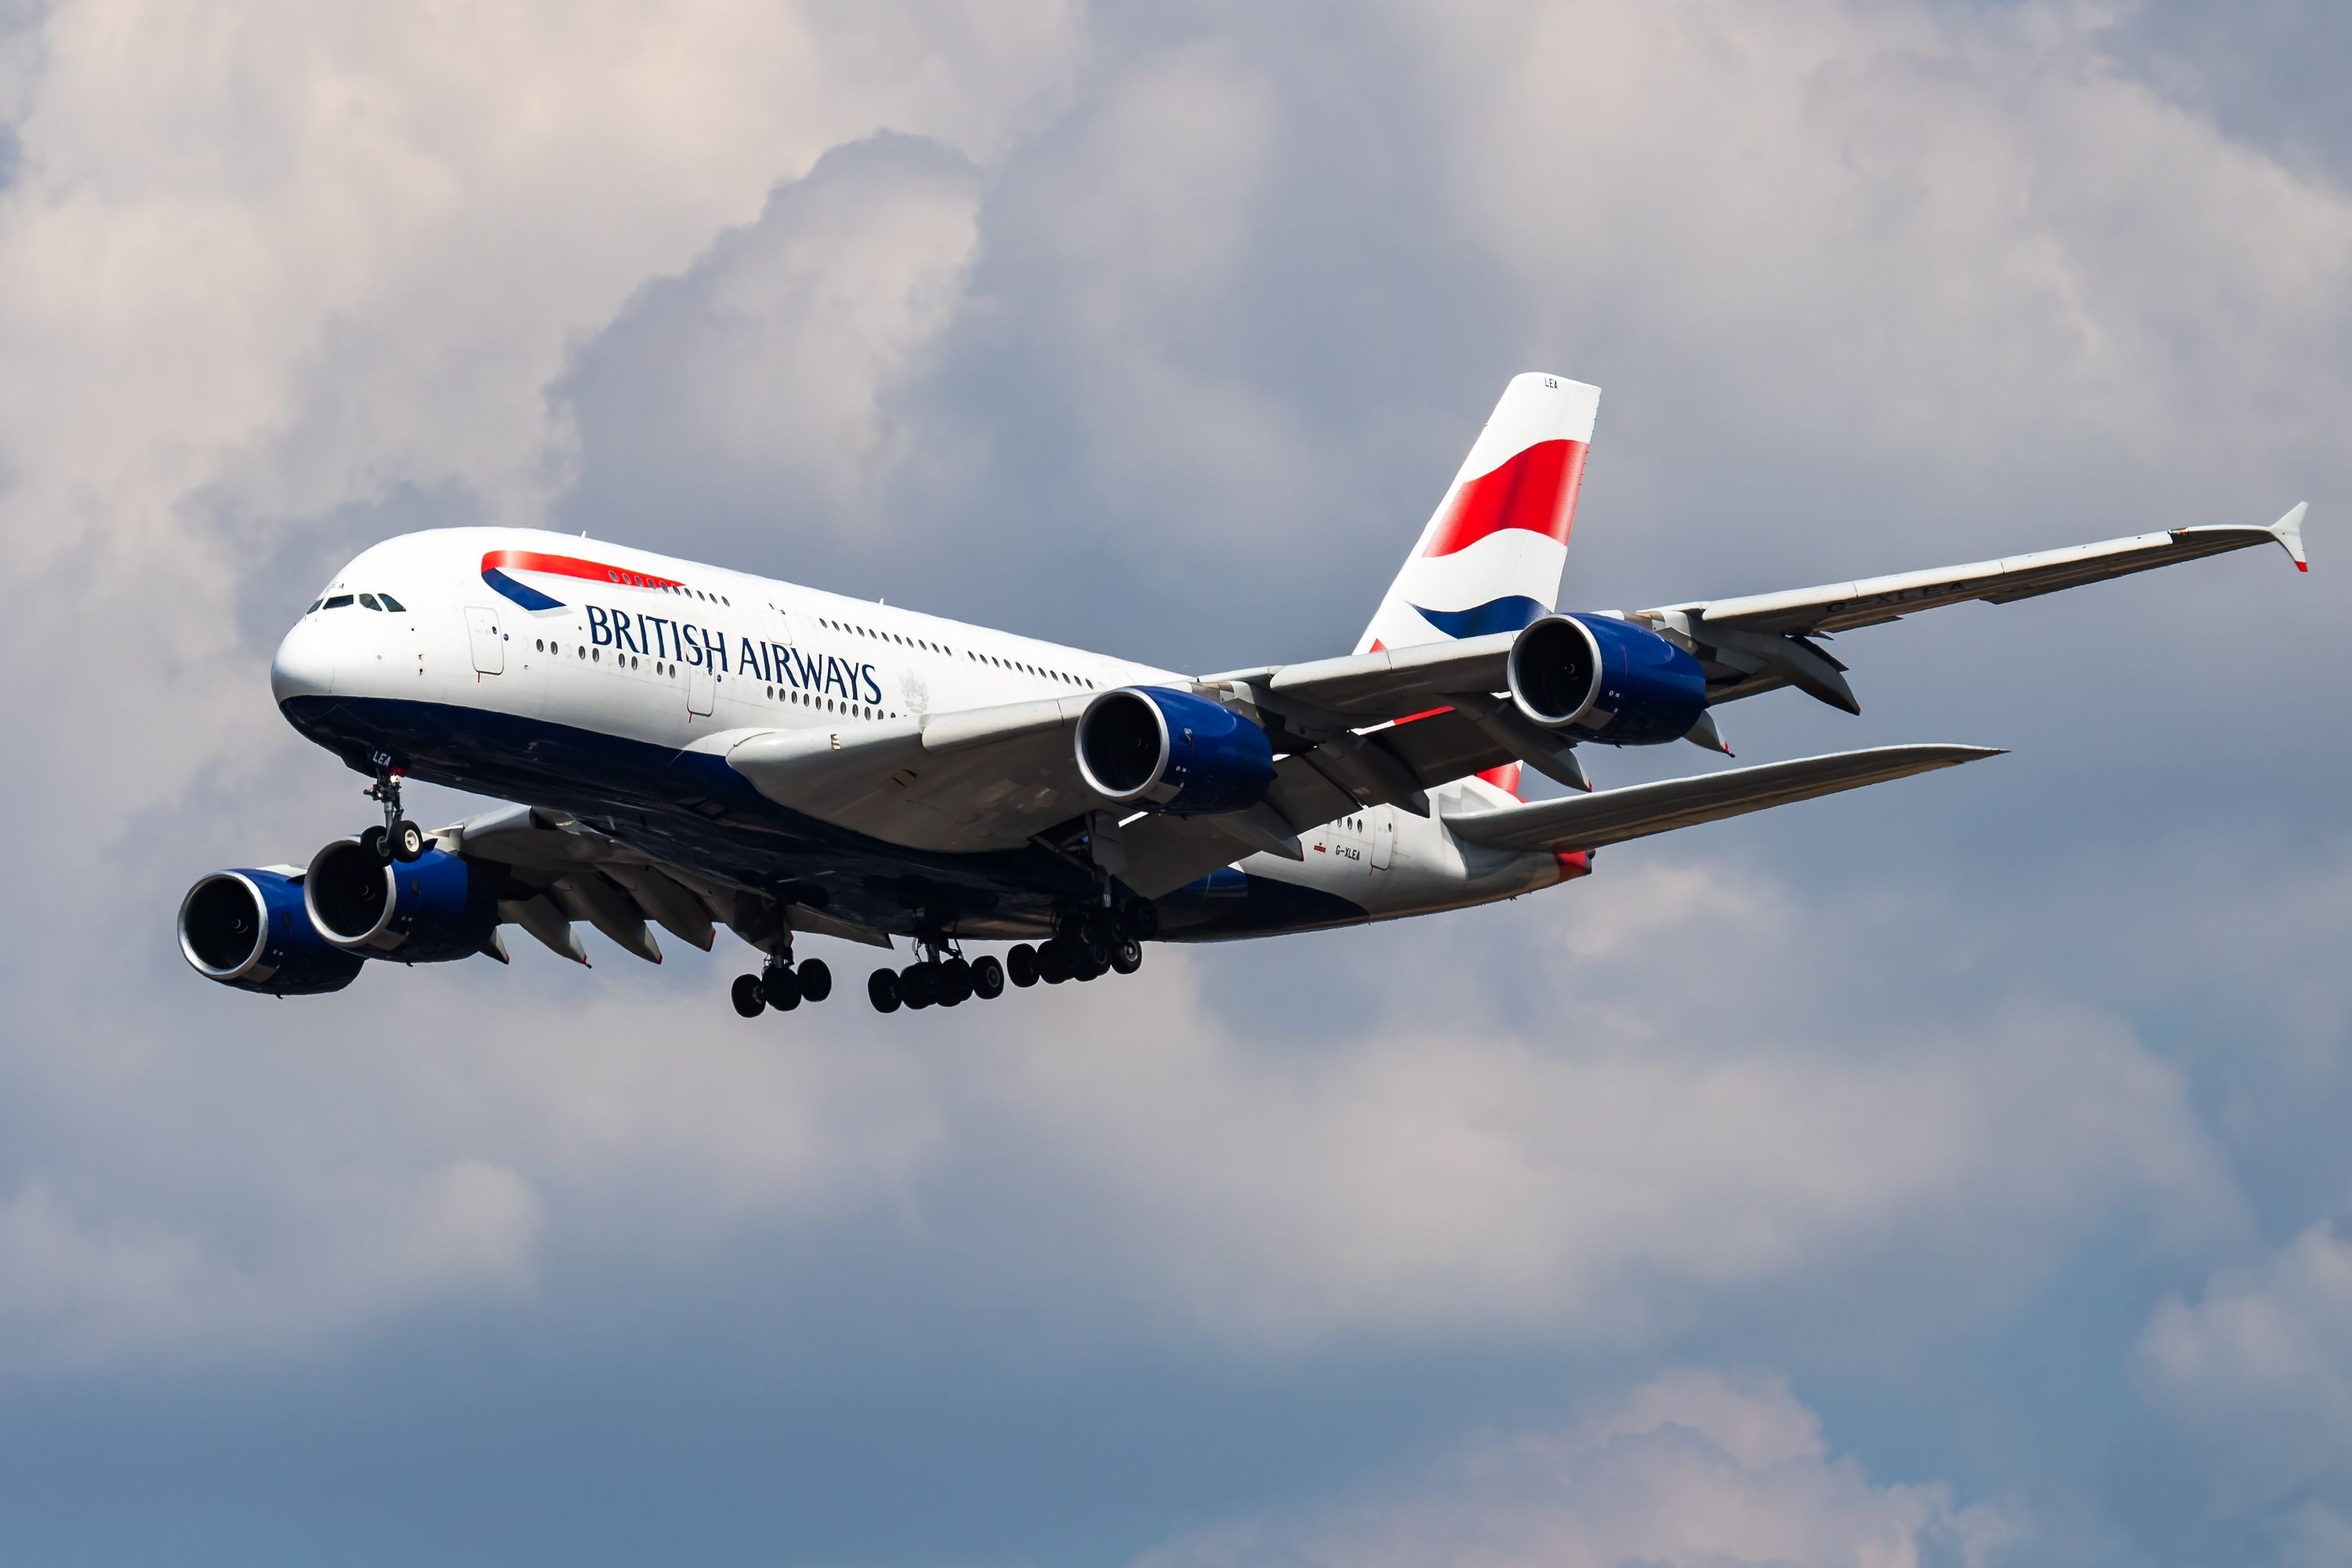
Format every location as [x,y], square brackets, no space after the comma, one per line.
[398,838]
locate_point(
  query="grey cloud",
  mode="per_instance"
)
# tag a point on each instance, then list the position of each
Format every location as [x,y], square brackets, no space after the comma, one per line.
[1692,1469]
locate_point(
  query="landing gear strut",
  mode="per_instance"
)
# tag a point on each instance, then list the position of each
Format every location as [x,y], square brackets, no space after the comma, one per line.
[398,838]
[782,984]
[1087,943]
[945,978]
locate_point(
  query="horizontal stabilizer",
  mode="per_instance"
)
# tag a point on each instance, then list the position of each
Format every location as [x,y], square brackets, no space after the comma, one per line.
[1611,816]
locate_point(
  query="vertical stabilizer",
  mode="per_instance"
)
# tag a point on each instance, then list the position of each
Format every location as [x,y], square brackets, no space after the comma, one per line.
[1491,558]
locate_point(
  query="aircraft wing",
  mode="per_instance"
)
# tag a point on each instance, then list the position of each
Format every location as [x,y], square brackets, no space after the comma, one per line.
[562,874]
[976,779]
[1755,643]
[1759,642]
[1611,816]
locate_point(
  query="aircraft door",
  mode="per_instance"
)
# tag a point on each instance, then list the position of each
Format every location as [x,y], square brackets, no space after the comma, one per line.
[1383,839]
[489,641]
[701,691]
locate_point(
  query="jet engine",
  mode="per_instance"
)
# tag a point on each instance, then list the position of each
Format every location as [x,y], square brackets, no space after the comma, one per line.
[248,929]
[1159,750]
[430,909]
[1604,679]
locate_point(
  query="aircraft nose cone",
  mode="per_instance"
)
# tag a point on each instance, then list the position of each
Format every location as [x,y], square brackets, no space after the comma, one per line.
[304,665]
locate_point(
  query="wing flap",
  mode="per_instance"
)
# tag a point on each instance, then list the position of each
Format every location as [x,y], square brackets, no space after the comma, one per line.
[1611,816]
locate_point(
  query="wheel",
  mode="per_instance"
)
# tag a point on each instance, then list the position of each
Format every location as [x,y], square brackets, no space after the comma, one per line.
[1021,964]
[784,989]
[1095,956]
[882,990]
[987,979]
[816,980]
[748,997]
[378,843]
[1053,962]
[1127,956]
[955,983]
[407,840]
[1087,969]
[918,987]
[1143,920]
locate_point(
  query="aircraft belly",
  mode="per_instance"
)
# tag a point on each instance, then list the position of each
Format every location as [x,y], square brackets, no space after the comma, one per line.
[692,808]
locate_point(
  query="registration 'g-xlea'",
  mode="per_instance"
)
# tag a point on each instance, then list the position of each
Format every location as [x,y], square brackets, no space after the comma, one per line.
[689,746]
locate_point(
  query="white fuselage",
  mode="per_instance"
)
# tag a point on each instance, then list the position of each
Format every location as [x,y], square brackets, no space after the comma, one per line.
[519,659]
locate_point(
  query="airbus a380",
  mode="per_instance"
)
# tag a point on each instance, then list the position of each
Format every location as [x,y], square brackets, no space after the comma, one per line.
[689,747]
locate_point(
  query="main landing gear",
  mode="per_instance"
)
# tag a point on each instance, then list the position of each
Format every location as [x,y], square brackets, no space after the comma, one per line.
[945,979]
[398,838]
[782,984]
[1088,944]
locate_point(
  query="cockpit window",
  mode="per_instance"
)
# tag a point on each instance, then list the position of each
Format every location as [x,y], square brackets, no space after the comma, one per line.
[394,605]
[367,601]
[337,601]
[314,606]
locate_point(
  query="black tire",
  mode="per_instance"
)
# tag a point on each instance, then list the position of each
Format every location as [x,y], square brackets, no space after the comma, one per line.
[918,987]
[1095,956]
[1020,965]
[987,979]
[378,843]
[1087,969]
[408,841]
[1143,920]
[816,980]
[955,983]
[1127,957]
[882,990]
[784,989]
[1053,962]
[749,998]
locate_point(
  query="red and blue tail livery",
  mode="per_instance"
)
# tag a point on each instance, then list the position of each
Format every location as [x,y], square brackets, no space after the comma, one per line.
[1491,555]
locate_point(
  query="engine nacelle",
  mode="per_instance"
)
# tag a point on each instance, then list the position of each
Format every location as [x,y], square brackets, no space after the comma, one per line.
[248,929]
[1172,752]
[427,910]
[1604,679]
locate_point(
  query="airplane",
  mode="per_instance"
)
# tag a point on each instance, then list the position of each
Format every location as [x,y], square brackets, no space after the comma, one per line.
[688,746]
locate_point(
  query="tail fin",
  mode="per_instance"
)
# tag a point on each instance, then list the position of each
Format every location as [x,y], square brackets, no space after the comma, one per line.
[1491,558]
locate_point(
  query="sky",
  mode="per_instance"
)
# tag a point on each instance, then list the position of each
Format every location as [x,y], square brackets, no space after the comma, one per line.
[1950,1174]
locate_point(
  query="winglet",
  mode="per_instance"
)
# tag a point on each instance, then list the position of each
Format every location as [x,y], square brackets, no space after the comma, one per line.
[2288,530]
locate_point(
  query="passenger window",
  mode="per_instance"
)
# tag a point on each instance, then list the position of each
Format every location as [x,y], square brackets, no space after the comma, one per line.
[394,605]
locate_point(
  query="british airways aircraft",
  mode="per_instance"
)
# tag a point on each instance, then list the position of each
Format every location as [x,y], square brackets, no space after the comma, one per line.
[689,747]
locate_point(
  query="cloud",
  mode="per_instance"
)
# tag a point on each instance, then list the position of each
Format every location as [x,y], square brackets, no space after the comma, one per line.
[1695,1469]
[78,1293]
[2258,1371]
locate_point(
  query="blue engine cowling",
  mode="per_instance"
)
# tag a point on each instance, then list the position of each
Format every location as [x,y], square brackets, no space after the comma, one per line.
[428,910]
[248,929]
[1159,750]
[1600,678]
